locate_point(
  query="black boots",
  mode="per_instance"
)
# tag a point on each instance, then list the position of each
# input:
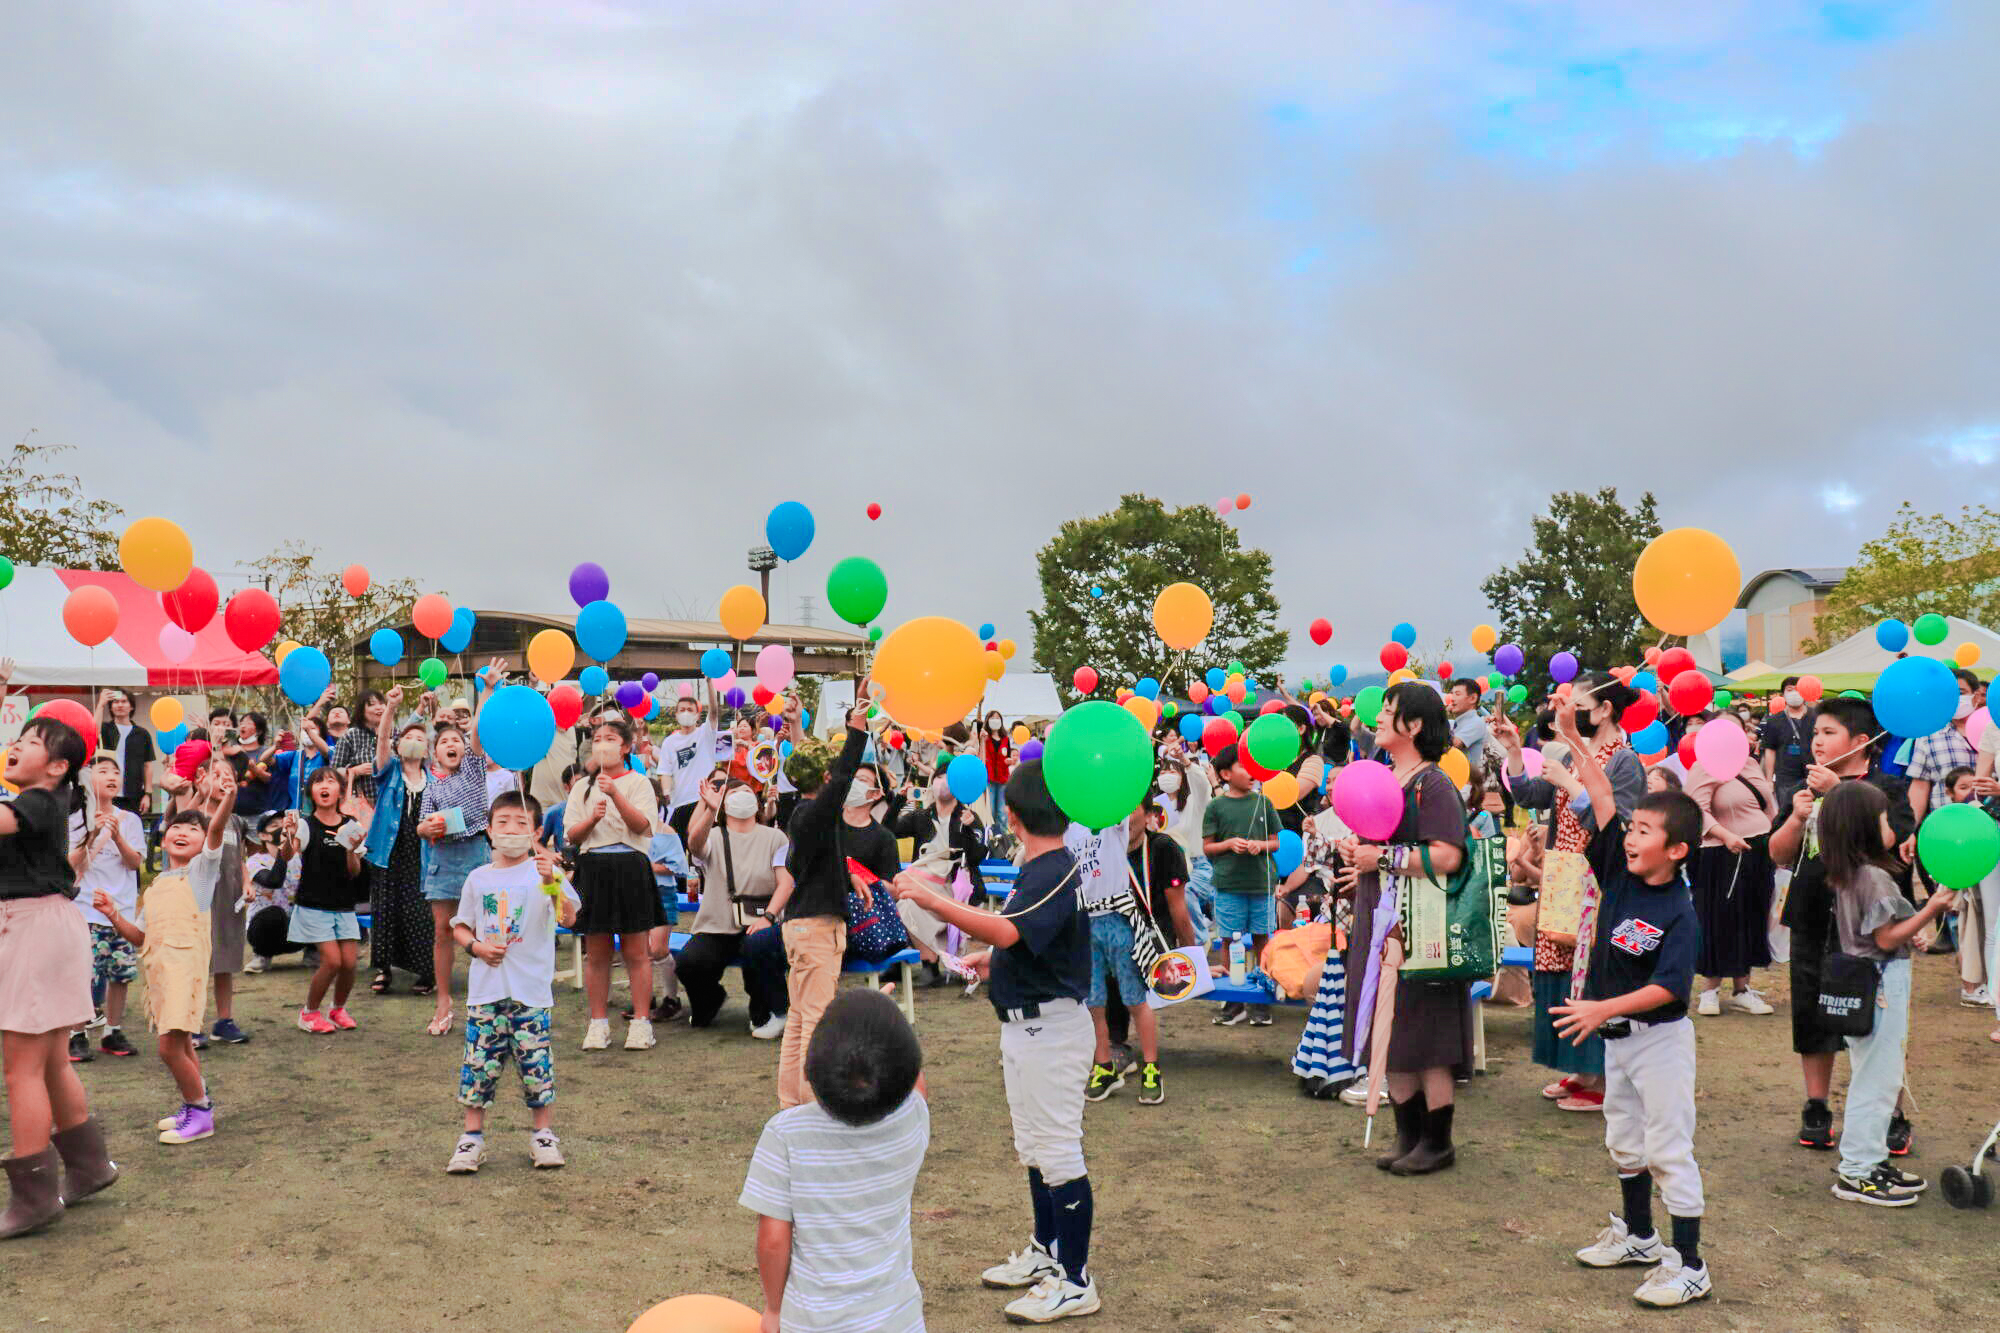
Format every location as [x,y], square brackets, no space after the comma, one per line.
[1409,1130]
[1433,1151]
[87,1165]
[35,1192]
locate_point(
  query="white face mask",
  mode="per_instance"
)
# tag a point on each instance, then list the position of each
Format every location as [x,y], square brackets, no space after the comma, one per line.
[513,844]
[1964,709]
[411,747]
[861,795]
[606,753]
[1170,782]
[739,804]
[1793,699]
[687,718]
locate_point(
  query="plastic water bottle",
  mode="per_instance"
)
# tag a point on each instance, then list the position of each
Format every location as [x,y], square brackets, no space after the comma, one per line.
[1237,971]
[1304,917]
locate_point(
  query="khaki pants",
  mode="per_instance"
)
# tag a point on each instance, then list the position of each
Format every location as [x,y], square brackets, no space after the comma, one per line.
[814,946]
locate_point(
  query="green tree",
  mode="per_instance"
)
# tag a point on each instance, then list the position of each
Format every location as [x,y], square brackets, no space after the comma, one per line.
[1923,563]
[1131,553]
[46,518]
[1571,590]
[318,611]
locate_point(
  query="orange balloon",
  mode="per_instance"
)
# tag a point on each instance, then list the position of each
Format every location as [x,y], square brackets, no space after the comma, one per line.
[1401,674]
[1686,581]
[1456,766]
[1182,615]
[1007,649]
[1235,689]
[1282,790]
[431,616]
[929,672]
[355,579]
[1965,654]
[1144,709]
[283,650]
[996,666]
[90,613]
[156,553]
[742,612]
[551,655]
[698,1314]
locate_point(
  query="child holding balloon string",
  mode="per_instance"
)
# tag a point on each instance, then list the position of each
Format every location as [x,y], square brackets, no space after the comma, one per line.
[330,863]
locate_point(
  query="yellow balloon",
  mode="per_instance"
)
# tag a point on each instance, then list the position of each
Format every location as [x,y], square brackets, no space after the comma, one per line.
[1966,654]
[1282,790]
[283,650]
[3,767]
[1686,581]
[1401,674]
[550,655]
[776,708]
[698,1314]
[1317,696]
[1182,615]
[1007,649]
[156,553]
[929,672]
[1144,709]
[1456,766]
[742,611]
[166,714]
[1483,638]
[996,666]
[1020,734]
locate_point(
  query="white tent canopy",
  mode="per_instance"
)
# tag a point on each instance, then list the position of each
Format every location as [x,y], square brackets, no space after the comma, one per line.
[1860,656]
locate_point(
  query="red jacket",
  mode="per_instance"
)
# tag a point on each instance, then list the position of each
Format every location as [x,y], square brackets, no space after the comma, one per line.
[999,750]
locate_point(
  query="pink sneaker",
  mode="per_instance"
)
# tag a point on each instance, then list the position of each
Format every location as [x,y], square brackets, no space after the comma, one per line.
[313,1021]
[341,1019]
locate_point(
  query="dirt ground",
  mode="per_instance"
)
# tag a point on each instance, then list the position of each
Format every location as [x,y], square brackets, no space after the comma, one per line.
[1238,1205]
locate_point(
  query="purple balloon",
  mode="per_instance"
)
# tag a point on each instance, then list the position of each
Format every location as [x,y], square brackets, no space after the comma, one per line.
[1032,750]
[775,723]
[1508,660]
[736,698]
[1562,668]
[629,694]
[651,680]
[589,583]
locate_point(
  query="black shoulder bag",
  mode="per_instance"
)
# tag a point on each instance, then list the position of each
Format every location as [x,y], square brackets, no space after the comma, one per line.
[748,912]
[1847,985]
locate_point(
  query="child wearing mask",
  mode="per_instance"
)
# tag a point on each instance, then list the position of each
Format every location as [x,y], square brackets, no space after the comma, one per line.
[610,820]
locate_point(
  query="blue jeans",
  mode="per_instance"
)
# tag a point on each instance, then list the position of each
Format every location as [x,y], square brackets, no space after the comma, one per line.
[996,796]
[448,861]
[1201,899]
[1875,1064]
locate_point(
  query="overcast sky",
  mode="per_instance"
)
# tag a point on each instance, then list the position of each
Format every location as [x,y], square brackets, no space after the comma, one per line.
[472,292]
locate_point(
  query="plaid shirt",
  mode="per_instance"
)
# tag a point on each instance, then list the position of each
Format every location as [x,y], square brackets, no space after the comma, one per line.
[1933,756]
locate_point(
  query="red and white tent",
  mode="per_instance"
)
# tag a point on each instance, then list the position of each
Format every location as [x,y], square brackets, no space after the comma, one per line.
[45,656]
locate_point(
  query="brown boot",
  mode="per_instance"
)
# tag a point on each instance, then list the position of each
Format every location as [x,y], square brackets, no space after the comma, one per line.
[1434,1151]
[35,1184]
[87,1165]
[1409,1129]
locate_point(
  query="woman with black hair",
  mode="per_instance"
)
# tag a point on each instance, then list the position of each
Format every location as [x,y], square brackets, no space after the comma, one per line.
[354,752]
[1733,883]
[120,735]
[253,785]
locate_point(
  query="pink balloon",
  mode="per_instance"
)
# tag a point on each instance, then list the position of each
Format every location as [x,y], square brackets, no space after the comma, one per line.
[1975,727]
[774,667]
[1368,800]
[1721,748]
[1224,505]
[176,644]
[687,690]
[1531,766]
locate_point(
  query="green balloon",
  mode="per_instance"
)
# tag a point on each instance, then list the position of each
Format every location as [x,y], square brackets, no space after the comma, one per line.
[1852,694]
[1368,705]
[6,571]
[1234,719]
[1723,698]
[1169,708]
[875,634]
[857,590]
[1238,669]
[1959,845]
[1273,740]
[1098,762]
[1931,628]
[1494,680]
[1517,694]
[431,672]
[1306,684]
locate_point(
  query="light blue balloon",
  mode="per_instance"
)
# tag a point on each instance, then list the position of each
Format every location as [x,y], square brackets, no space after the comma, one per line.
[784,749]
[459,636]
[805,720]
[1291,851]
[172,738]
[789,530]
[985,632]
[385,646]
[966,776]
[1216,678]
[593,680]
[304,675]
[1190,727]
[600,631]
[1096,591]
[1405,634]
[715,663]
[1892,635]
[515,727]
[1147,687]
[1645,680]
[1651,738]
[1337,676]
[1914,696]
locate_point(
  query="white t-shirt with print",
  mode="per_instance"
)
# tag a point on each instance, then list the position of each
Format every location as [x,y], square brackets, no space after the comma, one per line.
[507,902]
[1101,868]
[106,868]
[685,758]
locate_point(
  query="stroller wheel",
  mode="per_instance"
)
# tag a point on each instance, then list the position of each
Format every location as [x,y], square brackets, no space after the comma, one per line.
[1982,1189]
[1958,1185]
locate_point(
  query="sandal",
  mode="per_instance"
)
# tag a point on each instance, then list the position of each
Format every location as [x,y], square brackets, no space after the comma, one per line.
[440,1025]
[381,983]
[425,988]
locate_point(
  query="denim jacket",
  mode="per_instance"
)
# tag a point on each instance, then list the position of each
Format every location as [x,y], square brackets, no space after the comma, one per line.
[388,813]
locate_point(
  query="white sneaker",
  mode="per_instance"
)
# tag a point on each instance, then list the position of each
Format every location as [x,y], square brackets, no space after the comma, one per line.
[1022,1270]
[597,1036]
[1053,1298]
[1979,997]
[770,1029]
[638,1034]
[465,1159]
[545,1149]
[1356,1093]
[1750,1002]
[1670,1284]
[258,962]
[1710,1003]
[1615,1246]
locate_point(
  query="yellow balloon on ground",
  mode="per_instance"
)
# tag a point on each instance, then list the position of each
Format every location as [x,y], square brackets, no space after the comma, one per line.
[1965,654]
[698,1314]
[742,612]
[156,553]
[1483,638]
[929,672]
[166,714]
[1401,674]
[1456,766]
[1182,615]
[1007,649]
[284,650]
[550,655]
[1144,709]
[1020,734]
[1686,581]
[1282,790]
[996,666]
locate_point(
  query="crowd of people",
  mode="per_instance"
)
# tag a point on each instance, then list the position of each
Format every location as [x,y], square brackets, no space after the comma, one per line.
[252,843]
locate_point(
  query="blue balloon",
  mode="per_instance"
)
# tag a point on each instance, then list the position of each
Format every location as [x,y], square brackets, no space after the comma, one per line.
[600,630]
[305,674]
[1337,676]
[1651,738]
[1291,851]
[1914,696]
[1147,687]
[715,663]
[1892,635]
[784,749]
[515,727]
[1216,678]
[1645,680]
[1096,591]
[966,776]
[385,646]
[456,639]
[985,632]
[172,737]
[1190,727]
[1405,634]
[1218,704]
[805,720]
[789,530]
[594,680]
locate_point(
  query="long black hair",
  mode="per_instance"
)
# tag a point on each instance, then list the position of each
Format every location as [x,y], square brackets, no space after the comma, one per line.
[62,742]
[1850,831]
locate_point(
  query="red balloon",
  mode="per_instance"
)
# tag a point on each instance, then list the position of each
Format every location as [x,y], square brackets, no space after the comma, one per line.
[874,512]
[992,645]
[431,616]
[1236,691]
[1216,733]
[1243,500]
[1686,752]
[251,619]
[1198,692]
[1672,664]
[1085,680]
[192,605]
[761,696]
[566,702]
[895,739]
[355,579]
[77,718]
[1690,693]
[1652,656]
[90,614]
[1642,714]
[1394,656]
[1257,770]
[1270,706]
[1810,689]
[1320,631]
[1444,671]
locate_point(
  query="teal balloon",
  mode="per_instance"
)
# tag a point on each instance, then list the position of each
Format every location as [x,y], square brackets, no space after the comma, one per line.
[459,636]
[304,675]
[386,647]
[594,680]
[515,727]
[966,776]
[1914,696]
[1273,741]
[1098,763]
[1959,845]
[600,631]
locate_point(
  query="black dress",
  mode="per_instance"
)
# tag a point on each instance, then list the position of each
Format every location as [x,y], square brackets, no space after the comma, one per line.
[402,932]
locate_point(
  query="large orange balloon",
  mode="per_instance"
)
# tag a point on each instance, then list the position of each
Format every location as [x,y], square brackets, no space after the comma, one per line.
[929,672]
[742,612]
[156,553]
[1281,790]
[1456,766]
[1182,615]
[1144,709]
[90,613]
[431,616]
[551,655]
[1687,581]
[698,1314]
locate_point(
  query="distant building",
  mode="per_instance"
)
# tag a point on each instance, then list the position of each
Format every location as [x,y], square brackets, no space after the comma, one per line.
[1781,610]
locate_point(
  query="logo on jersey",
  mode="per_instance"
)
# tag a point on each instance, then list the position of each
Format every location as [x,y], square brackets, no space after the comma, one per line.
[1636,937]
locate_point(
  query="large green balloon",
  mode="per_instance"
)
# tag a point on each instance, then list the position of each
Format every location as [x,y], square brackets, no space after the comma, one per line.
[1959,845]
[1931,628]
[1098,762]
[431,672]
[1273,741]
[857,590]
[1368,705]
[6,571]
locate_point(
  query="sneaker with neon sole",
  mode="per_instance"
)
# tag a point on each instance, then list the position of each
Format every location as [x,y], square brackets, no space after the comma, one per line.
[1151,1090]
[313,1021]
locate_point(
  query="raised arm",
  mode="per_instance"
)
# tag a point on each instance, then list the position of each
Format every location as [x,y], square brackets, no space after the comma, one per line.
[1596,782]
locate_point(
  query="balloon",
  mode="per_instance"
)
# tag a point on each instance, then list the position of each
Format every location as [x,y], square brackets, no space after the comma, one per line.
[1686,581]
[1098,762]
[589,583]
[1975,727]
[1282,791]
[355,579]
[1531,765]
[651,680]
[1368,706]
[386,646]
[1644,681]
[1369,800]
[986,630]
[1483,638]
[1224,505]
[1182,615]
[1096,591]
[431,672]
[929,672]
[788,530]
[284,650]
[1243,500]
[192,605]
[1020,734]
[1915,696]
[1685,751]
[1965,655]
[1509,659]
[6,571]
[996,665]
[1723,698]
[166,714]
[431,616]
[875,634]
[1562,668]
[171,738]
[459,635]
[1031,752]
[1650,656]
[1810,689]
[1517,694]
[1720,747]
[1320,630]
[1336,676]
[90,613]
[1401,674]
[1639,716]
[1959,845]
[1190,727]
[1456,766]
[1405,633]
[251,619]
[715,663]
[600,631]
[550,655]
[1931,628]
[1892,635]
[304,675]
[966,776]
[516,726]
[1084,680]
[156,553]
[628,694]
[1216,678]
[1235,690]
[857,590]
[760,696]
[775,667]
[1216,733]
[1673,663]
[566,704]
[874,512]
[76,717]
[1444,671]
[1148,687]
[1272,740]
[176,644]
[734,697]
[742,612]
[1690,693]
[1144,709]
[595,680]
[1007,649]
[1291,848]
[1393,656]
[1652,738]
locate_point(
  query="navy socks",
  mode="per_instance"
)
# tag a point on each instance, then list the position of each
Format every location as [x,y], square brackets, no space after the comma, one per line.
[1687,1240]
[1072,1203]
[1045,1210]
[1638,1191]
